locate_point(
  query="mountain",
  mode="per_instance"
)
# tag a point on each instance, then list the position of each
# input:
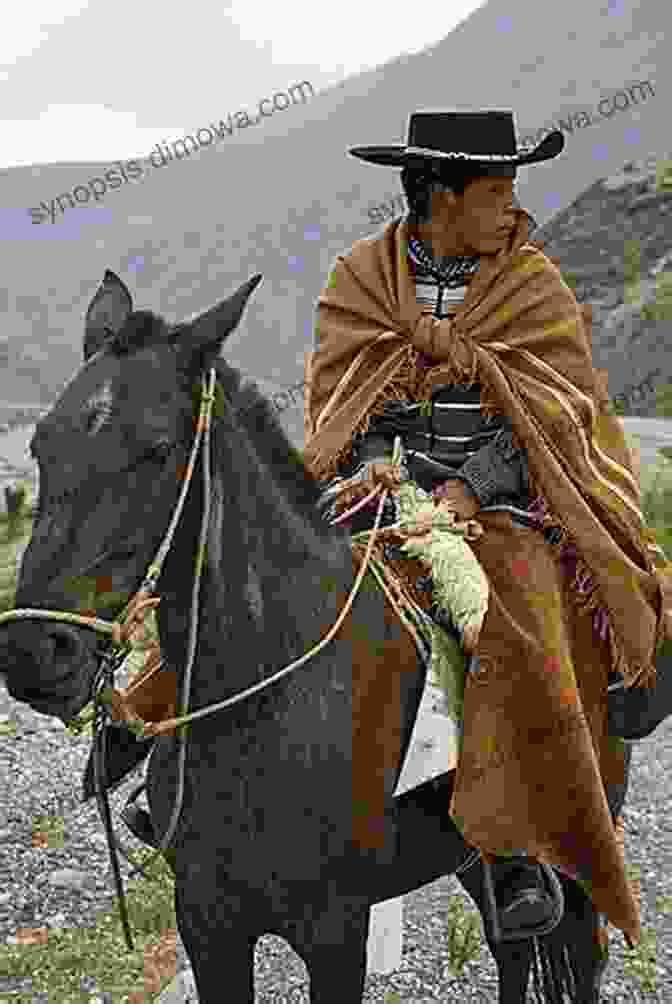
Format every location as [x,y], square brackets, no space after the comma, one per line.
[283,197]
[613,245]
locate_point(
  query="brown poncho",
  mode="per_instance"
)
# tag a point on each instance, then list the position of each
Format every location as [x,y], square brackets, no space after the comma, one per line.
[535,747]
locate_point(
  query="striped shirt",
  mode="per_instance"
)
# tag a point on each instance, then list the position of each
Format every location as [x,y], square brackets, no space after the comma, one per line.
[455,433]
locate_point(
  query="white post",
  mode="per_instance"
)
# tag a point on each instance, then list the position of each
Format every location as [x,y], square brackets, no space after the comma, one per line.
[386,932]
[432,751]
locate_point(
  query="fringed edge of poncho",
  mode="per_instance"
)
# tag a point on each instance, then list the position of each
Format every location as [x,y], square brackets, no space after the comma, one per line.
[586,594]
[402,387]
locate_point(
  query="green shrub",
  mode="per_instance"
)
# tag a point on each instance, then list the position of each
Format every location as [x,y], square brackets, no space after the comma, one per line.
[15,531]
[656,485]
[463,935]
[657,497]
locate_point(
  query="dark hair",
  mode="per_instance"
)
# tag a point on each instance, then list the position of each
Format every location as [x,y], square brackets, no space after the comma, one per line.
[417,182]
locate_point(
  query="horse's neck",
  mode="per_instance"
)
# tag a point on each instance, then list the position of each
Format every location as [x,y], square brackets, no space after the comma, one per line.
[261,591]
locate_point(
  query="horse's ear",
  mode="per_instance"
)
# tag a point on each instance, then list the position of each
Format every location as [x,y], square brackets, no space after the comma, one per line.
[201,338]
[107,313]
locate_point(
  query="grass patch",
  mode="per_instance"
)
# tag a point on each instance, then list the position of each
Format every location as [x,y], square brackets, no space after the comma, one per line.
[99,953]
[15,531]
[657,493]
[664,905]
[640,963]
[463,935]
[48,831]
[7,726]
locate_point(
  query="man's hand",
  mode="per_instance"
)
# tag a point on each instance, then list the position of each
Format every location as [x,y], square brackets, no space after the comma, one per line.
[385,473]
[458,498]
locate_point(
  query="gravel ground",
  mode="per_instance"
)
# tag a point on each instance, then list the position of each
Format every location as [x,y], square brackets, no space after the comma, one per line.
[40,773]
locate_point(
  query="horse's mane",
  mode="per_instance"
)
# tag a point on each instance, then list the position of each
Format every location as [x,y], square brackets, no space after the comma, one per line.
[273,447]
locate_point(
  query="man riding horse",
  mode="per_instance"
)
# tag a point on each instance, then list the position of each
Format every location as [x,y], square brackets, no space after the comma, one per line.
[453,331]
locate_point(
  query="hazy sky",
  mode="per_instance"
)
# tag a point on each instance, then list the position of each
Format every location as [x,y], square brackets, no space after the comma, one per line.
[97,81]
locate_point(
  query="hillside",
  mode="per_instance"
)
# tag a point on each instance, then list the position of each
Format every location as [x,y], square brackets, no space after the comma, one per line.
[284,198]
[620,219]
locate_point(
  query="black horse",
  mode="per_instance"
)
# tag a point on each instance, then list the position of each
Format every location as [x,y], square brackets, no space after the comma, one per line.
[264,842]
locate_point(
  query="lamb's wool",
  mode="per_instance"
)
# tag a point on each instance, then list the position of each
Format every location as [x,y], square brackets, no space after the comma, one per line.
[459,585]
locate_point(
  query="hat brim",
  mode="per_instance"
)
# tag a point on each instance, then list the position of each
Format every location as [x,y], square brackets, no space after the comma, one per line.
[398,156]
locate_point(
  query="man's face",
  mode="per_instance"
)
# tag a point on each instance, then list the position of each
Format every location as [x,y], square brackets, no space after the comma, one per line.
[478,217]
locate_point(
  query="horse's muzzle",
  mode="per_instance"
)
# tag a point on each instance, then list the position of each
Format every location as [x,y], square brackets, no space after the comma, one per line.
[43,665]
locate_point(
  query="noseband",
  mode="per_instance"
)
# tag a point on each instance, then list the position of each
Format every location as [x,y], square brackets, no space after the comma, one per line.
[120,631]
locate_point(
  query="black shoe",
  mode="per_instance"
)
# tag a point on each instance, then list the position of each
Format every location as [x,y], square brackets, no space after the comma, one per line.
[139,823]
[522,898]
[634,713]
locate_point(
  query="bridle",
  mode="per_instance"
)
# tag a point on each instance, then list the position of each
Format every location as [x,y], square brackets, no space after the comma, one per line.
[118,647]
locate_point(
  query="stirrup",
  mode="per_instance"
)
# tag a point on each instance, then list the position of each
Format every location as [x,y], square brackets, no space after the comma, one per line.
[494,931]
[139,820]
[139,823]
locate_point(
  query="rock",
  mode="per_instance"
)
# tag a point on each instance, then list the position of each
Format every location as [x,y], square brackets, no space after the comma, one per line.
[648,199]
[54,724]
[612,299]
[70,878]
[661,264]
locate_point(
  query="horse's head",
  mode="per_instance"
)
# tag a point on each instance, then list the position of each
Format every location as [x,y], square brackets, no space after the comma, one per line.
[112,454]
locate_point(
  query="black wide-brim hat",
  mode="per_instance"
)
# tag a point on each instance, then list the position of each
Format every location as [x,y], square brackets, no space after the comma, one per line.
[486,139]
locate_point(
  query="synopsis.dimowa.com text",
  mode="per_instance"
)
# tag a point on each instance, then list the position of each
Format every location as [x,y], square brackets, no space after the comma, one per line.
[125,171]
